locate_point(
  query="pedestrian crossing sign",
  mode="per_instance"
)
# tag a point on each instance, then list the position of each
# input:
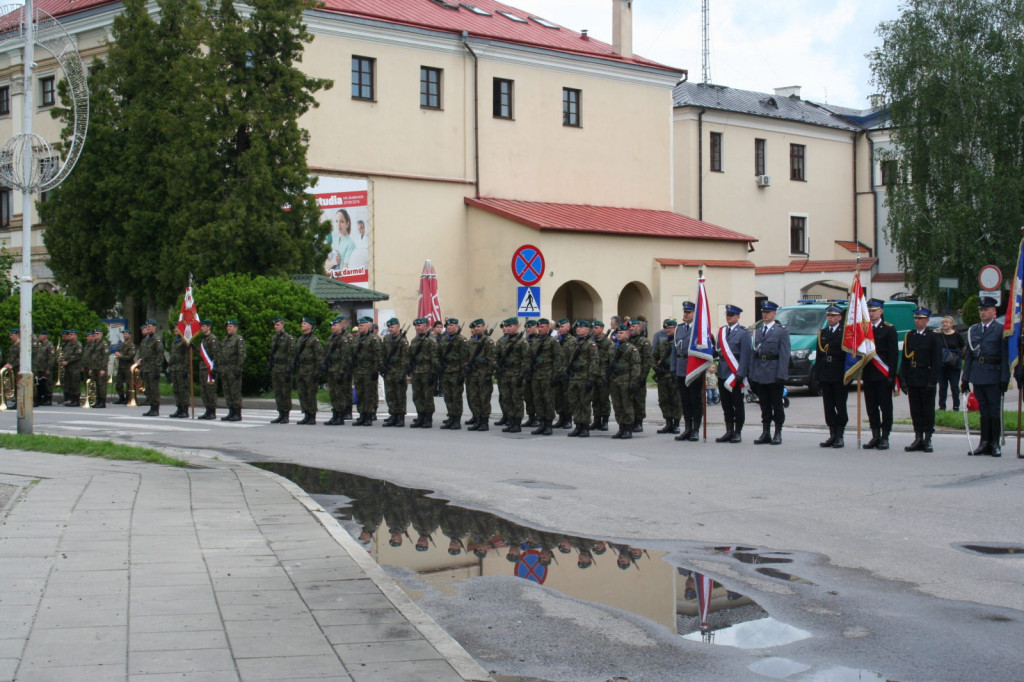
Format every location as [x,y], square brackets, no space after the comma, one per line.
[528,302]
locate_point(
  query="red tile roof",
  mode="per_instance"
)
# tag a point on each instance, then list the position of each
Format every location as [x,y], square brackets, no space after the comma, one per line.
[854,247]
[817,266]
[889,277]
[706,263]
[637,222]
[431,15]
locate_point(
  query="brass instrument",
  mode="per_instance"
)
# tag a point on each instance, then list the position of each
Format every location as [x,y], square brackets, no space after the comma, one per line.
[8,387]
[90,394]
[135,384]
[60,367]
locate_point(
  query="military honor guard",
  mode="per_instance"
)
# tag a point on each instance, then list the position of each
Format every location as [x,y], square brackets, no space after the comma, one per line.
[601,401]
[453,353]
[151,362]
[736,354]
[830,369]
[879,377]
[336,365]
[919,376]
[369,351]
[584,372]
[422,367]
[124,357]
[560,387]
[690,396]
[769,369]
[177,370]
[479,376]
[623,373]
[14,358]
[544,359]
[668,388]
[531,420]
[309,353]
[282,348]
[43,357]
[207,366]
[638,337]
[986,367]
[393,371]
[229,374]
[510,353]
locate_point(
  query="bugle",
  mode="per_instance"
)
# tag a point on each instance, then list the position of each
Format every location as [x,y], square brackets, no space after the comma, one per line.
[8,387]
[90,394]
[60,367]
[135,384]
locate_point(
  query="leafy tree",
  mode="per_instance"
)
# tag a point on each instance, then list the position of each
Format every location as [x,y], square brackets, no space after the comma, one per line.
[255,302]
[193,152]
[7,285]
[952,72]
[52,312]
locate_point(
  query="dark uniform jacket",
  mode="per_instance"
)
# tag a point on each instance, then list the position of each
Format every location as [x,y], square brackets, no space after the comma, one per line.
[886,350]
[986,360]
[922,359]
[738,340]
[770,362]
[830,358]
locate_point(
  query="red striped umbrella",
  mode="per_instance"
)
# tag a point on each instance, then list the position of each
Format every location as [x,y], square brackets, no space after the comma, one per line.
[429,305]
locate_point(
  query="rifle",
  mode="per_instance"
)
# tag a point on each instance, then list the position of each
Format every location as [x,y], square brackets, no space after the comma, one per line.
[471,365]
[499,367]
[325,363]
[444,356]
[411,365]
[273,351]
[572,361]
[295,360]
[382,368]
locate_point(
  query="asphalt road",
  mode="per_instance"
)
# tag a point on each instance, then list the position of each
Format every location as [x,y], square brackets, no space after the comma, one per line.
[874,532]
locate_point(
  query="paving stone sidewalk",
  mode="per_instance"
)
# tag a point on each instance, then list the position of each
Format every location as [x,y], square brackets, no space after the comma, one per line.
[141,572]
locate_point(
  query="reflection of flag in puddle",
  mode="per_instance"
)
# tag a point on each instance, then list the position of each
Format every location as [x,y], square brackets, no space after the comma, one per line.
[704,587]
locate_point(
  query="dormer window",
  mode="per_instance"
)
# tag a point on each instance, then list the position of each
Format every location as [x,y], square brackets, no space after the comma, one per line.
[512,17]
[476,10]
[544,22]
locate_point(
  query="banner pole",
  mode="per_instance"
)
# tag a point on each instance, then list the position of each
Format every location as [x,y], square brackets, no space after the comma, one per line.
[860,383]
[191,385]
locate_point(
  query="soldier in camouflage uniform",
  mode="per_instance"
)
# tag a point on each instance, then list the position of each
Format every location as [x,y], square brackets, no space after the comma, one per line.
[668,388]
[368,354]
[14,359]
[151,362]
[422,365]
[479,374]
[177,370]
[531,406]
[336,365]
[638,337]
[396,357]
[43,355]
[601,402]
[123,372]
[71,352]
[584,373]
[544,358]
[208,351]
[623,376]
[453,354]
[309,353]
[560,388]
[229,371]
[282,348]
[510,354]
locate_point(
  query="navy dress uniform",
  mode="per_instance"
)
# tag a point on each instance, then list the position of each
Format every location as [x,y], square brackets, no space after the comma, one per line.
[878,384]
[769,369]
[919,375]
[736,353]
[986,365]
[830,368]
[691,397]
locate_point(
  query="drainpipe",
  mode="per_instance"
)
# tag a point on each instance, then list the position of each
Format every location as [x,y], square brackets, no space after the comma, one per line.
[476,114]
[855,195]
[700,163]
[874,192]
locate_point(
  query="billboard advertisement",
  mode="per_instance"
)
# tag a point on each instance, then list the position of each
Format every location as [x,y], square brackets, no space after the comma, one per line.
[344,203]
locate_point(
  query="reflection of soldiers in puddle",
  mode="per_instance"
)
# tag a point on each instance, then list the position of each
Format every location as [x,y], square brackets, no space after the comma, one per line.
[455,524]
[426,518]
[397,512]
[367,504]
[628,556]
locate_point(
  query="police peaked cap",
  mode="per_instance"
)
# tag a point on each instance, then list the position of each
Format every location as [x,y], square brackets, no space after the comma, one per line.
[769,305]
[733,310]
[833,310]
[689,306]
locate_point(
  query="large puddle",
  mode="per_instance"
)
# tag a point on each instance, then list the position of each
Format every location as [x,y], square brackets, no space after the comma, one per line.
[444,545]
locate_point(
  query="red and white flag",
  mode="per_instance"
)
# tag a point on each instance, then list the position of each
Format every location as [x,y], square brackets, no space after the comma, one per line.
[859,335]
[188,318]
[429,304]
[704,586]
[701,350]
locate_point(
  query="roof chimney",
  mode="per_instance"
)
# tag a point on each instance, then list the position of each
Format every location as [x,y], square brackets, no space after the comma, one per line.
[622,28]
[789,91]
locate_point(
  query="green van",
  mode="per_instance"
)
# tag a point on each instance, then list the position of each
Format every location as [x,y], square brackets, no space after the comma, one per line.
[807,317]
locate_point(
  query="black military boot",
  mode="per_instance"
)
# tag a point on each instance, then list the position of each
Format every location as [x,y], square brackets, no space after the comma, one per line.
[399,420]
[766,436]
[359,422]
[695,434]
[446,423]
[995,431]
[229,415]
[559,423]
[312,418]
[575,431]
[390,421]
[417,420]
[472,421]
[503,421]
[736,435]
[926,446]
[873,443]
[426,421]
[513,426]
[685,435]
[827,443]
[209,414]
[455,424]
[236,415]
[280,418]
[304,420]
[914,444]
[883,440]
[154,411]
[102,403]
[531,421]
[777,437]
[366,419]
[638,426]
[727,436]
[604,423]
[596,424]
[484,424]
[284,417]
[669,422]
[839,442]
[625,433]
[584,431]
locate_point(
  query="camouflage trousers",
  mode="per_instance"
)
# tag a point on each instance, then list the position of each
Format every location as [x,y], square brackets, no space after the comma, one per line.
[340,390]
[366,391]
[152,381]
[208,392]
[621,394]
[231,386]
[452,386]
[580,400]
[510,396]
[101,384]
[307,385]
[282,386]
[479,388]
[601,401]
[640,399]
[423,393]
[179,382]
[395,392]
[668,397]
[543,396]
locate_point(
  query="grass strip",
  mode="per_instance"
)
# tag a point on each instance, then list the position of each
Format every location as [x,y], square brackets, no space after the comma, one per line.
[60,445]
[955,420]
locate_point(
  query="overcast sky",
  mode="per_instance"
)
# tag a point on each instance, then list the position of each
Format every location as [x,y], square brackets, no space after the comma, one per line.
[754,44]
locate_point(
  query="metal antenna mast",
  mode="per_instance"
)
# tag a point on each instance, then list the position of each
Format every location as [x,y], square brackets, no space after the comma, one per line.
[705,52]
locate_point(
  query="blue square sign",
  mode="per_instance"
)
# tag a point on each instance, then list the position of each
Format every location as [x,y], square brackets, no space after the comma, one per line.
[528,302]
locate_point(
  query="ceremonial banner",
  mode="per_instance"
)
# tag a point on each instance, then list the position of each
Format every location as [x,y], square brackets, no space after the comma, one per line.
[188,318]
[702,350]
[859,335]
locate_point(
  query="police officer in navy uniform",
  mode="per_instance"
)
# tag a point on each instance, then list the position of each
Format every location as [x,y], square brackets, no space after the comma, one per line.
[877,384]
[919,375]
[986,365]
[830,368]
[734,346]
[769,370]
[692,396]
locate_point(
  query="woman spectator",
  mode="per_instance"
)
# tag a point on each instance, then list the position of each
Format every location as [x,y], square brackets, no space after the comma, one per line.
[952,344]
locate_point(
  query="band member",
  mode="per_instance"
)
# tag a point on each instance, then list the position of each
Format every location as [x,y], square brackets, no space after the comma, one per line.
[987,367]
[919,376]
[769,370]
[879,377]
[830,367]
[733,368]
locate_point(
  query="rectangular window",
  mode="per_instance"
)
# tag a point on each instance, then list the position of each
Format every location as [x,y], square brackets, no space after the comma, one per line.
[430,87]
[798,234]
[5,207]
[5,100]
[759,156]
[571,102]
[888,170]
[503,100]
[797,162]
[716,152]
[362,77]
[47,91]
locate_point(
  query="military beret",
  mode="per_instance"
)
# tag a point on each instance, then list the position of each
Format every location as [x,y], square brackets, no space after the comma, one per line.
[338,320]
[309,320]
[97,330]
[585,323]
[986,302]
[14,331]
[477,322]
[393,320]
[452,320]
[623,327]
[70,331]
[833,310]
[232,322]
[564,320]
[421,320]
[543,320]
[422,548]
[206,323]
[689,306]
[924,312]
[43,332]
[152,322]
[123,331]
[598,323]
[733,310]
[277,319]
[876,303]
[510,321]
[668,323]
[365,320]
[531,323]
[769,305]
